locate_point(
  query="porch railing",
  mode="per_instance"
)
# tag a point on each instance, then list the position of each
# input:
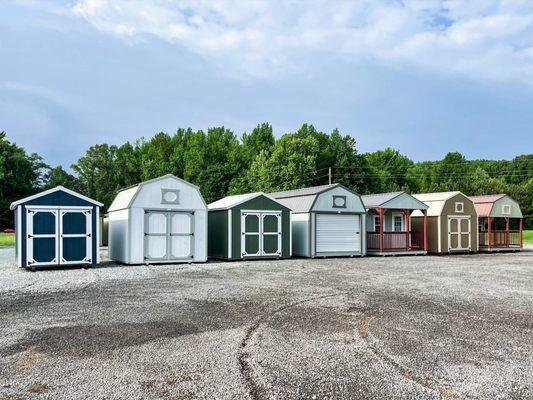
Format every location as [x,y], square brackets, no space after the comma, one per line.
[393,241]
[499,238]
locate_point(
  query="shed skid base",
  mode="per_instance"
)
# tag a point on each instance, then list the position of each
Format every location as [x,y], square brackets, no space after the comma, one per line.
[500,250]
[397,253]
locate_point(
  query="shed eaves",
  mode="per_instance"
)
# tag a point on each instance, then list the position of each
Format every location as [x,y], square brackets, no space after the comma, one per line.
[491,198]
[299,204]
[314,190]
[232,201]
[438,196]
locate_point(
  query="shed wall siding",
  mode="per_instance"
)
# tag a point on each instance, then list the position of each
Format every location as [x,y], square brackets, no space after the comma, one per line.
[300,235]
[118,239]
[217,240]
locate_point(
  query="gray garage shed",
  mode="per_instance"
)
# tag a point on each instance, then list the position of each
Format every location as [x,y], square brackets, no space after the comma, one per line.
[327,221]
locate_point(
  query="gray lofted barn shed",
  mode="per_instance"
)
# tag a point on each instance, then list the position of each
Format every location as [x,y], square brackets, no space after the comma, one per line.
[327,221]
[163,220]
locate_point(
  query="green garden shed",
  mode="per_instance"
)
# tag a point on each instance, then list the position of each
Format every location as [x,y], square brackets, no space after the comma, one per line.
[252,225]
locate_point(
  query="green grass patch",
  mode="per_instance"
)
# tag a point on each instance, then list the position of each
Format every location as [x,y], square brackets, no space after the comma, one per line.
[528,237]
[7,239]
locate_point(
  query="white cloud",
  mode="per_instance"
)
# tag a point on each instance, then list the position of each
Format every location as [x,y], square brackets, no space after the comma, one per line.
[481,39]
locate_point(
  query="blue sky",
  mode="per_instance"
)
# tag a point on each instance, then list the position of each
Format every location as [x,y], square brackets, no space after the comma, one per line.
[425,77]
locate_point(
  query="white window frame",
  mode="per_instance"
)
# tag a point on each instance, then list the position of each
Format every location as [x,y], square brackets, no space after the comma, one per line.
[506,209]
[401,215]
[460,209]
[376,218]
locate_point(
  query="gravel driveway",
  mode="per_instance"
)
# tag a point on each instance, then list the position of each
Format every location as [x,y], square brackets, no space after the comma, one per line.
[378,328]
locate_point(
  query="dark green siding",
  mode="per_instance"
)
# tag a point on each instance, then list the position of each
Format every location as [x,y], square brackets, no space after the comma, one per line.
[217,236]
[261,203]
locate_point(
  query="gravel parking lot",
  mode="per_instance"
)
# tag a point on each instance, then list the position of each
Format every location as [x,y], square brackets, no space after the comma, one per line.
[378,328]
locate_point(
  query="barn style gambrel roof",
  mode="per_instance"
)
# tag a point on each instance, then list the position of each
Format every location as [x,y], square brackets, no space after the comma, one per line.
[485,205]
[125,197]
[303,200]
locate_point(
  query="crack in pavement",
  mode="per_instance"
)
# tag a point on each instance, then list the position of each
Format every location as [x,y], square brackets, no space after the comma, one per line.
[404,371]
[255,390]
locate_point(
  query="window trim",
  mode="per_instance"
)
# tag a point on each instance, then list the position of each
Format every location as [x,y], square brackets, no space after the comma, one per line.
[376,218]
[402,216]
[174,191]
[457,210]
[506,209]
[335,197]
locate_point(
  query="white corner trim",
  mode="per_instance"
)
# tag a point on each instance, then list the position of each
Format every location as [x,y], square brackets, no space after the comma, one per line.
[18,234]
[230,231]
[439,240]
[99,226]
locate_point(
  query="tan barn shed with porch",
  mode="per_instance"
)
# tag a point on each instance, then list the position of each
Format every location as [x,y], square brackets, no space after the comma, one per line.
[499,223]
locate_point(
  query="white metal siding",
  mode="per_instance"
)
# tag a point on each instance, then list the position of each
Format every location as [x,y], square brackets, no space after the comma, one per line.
[338,233]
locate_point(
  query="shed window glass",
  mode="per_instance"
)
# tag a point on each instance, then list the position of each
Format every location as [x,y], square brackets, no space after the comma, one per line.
[506,209]
[339,201]
[459,207]
[376,223]
[397,221]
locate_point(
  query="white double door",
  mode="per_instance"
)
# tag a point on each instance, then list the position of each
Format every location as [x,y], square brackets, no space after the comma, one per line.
[168,235]
[459,233]
[261,234]
[58,236]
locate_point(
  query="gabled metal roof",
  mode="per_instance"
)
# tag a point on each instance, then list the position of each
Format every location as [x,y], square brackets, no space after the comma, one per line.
[231,201]
[393,200]
[53,190]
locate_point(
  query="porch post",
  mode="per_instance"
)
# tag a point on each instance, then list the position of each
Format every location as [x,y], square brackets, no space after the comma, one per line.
[489,220]
[507,233]
[520,233]
[426,230]
[380,211]
[407,230]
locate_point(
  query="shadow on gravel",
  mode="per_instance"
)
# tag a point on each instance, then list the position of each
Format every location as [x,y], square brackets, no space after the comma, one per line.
[91,340]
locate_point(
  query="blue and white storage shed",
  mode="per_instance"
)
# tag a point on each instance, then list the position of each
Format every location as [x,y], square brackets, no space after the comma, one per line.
[56,227]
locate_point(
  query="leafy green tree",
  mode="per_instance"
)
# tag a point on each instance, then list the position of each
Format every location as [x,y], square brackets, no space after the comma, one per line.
[96,170]
[59,177]
[292,164]
[20,175]
[390,171]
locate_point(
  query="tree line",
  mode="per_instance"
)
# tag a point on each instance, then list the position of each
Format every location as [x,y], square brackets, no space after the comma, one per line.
[221,163]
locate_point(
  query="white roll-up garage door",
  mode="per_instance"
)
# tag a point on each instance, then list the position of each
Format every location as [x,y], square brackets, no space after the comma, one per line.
[338,233]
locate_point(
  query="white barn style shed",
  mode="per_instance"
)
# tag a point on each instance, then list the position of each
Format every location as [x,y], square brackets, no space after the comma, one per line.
[327,221]
[163,220]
